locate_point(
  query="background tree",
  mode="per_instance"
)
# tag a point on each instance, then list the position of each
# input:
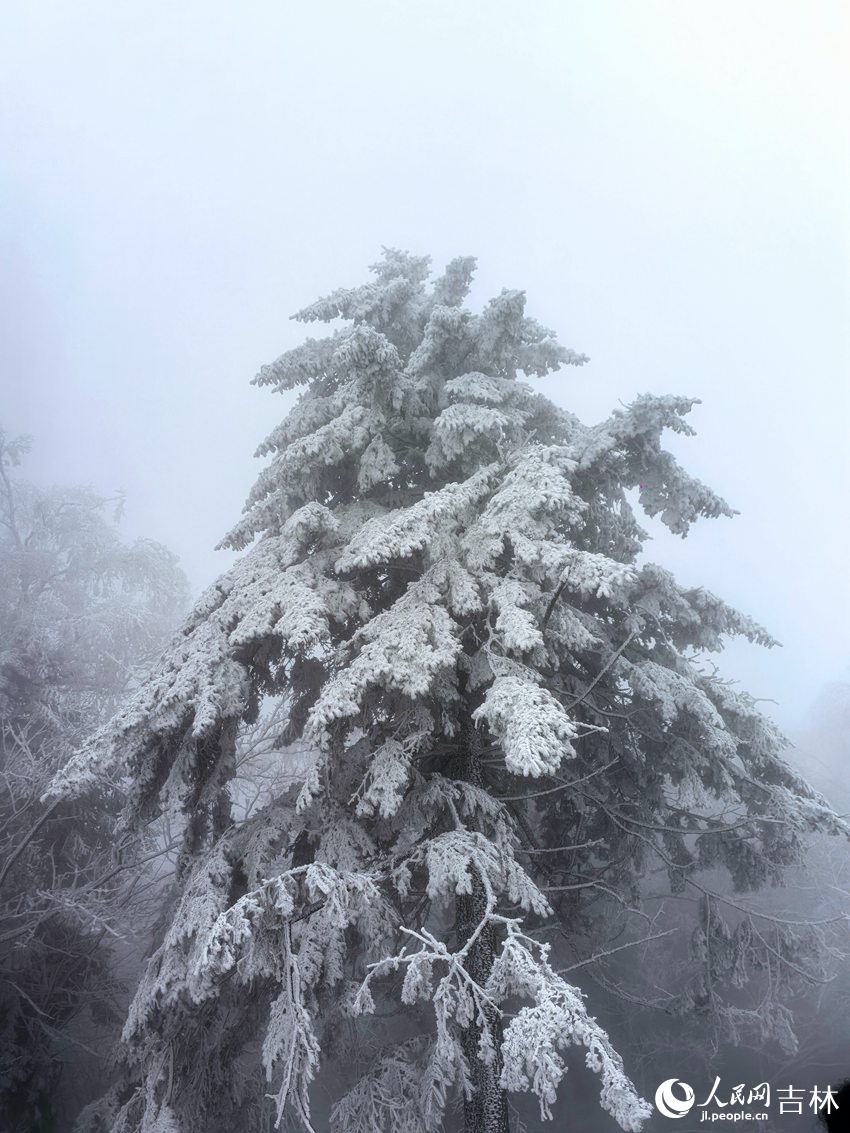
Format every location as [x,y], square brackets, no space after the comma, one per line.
[509,721]
[79,612]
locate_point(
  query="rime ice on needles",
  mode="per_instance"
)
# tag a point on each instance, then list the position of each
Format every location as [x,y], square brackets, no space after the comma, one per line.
[531,726]
[441,584]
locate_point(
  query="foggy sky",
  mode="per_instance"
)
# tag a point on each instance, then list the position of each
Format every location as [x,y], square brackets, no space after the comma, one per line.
[668,182]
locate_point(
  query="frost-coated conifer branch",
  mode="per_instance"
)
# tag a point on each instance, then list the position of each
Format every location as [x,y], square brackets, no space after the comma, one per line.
[443,591]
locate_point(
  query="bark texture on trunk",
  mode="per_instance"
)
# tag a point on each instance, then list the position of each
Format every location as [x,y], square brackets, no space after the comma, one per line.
[486,1111]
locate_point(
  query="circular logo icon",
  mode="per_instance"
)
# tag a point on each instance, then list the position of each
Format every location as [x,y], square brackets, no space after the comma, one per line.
[668,1103]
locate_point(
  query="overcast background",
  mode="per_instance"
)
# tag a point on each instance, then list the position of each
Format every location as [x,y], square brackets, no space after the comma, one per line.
[668,180]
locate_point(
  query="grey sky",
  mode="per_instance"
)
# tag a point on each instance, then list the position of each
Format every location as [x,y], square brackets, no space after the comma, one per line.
[667,180]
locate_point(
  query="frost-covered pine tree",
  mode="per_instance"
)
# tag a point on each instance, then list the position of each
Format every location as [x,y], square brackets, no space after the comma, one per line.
[441,579]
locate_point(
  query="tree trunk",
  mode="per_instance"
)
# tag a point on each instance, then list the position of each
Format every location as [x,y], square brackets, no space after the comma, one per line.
[486,1111]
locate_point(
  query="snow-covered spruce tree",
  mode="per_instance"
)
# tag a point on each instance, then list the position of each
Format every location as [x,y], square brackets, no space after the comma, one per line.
[442,583]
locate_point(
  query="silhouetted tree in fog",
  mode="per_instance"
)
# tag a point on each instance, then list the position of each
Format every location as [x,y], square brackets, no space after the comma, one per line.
[79,611]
